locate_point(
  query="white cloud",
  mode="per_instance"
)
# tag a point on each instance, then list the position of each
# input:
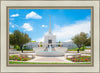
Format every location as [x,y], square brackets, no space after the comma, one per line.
[33,15]
[66,33]
[16,25]
[15,15]
[27,27]
[44,26]
[12,26]
[10,23]
[40,39]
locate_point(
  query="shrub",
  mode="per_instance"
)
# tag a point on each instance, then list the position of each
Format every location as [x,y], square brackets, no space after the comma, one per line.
[16,47]
[41,45]
[82,49]
[59,45]
[28,49]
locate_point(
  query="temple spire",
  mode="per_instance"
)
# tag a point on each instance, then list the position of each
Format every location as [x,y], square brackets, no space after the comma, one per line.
[50,25]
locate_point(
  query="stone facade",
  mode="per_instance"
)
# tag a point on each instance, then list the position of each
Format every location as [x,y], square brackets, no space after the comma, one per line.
[50,39]
[69,45]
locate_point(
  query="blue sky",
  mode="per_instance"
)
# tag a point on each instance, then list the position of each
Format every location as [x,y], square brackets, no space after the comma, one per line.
[65,23]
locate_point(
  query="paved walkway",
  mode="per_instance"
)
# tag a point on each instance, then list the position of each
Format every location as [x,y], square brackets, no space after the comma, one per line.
[50,59]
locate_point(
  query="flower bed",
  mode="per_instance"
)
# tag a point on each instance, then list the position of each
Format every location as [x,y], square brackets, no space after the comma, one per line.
[18,58]
[80,59]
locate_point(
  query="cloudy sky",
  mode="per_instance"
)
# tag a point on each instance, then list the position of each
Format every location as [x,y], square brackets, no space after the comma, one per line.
[65,23]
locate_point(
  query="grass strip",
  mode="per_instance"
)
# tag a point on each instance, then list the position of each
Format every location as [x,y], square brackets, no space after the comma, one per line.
[16,62]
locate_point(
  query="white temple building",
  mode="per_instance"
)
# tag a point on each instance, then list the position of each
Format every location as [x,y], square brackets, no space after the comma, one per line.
[49,38]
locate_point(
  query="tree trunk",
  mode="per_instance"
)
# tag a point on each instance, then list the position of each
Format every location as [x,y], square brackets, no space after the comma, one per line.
[77,50]
[21,48]
[79,46]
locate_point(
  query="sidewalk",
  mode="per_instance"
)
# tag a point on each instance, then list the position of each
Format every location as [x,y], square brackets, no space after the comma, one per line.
[50,59]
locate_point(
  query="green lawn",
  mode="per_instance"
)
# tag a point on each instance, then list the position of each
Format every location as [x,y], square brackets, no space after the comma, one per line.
[15,62]
[75,49]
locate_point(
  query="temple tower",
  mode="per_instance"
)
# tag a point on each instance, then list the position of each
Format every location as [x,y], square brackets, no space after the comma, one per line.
[50,26]
[50,38]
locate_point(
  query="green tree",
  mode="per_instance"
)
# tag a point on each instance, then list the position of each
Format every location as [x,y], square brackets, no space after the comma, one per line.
[19,38]
[41,44]
[33,41]
[84,37]
[88,43]
[80,40]
[59,44]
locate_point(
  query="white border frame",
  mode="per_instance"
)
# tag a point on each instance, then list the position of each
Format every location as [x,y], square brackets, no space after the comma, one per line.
[4,68]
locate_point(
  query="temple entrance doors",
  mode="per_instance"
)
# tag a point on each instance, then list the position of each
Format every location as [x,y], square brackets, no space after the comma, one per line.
[49,41]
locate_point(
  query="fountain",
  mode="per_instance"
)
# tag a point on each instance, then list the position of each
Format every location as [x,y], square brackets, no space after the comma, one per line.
[49,48]
[50,52]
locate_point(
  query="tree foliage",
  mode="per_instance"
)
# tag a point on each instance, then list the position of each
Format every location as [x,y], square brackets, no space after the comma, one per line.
[80,40]
[19,38]
[88,43]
